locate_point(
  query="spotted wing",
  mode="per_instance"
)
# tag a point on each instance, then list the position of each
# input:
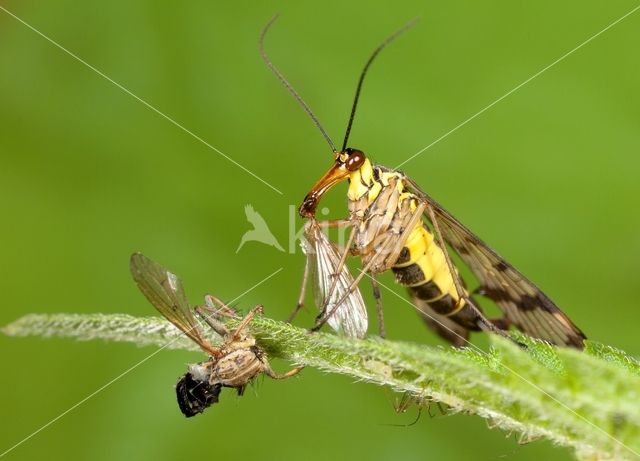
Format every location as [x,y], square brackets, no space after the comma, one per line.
[164,290]
[523,304]
[350,317]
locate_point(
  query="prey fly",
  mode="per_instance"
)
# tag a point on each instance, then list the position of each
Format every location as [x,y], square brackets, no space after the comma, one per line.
[234,363]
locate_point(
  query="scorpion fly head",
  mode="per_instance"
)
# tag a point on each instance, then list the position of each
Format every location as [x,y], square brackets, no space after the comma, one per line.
[346,165]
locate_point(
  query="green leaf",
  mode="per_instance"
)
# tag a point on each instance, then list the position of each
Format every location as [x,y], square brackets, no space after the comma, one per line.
[587,401]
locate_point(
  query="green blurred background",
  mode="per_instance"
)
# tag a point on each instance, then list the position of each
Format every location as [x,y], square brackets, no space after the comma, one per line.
[548,176]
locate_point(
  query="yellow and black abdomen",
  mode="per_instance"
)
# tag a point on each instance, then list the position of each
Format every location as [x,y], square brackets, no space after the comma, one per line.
[422,268]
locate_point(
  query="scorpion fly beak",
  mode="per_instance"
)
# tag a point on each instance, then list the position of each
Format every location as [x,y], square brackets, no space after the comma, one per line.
[336,173]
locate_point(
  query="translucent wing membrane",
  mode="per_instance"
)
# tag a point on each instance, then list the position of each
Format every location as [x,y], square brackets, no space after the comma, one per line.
[524,304]
[323,258]
[164,290]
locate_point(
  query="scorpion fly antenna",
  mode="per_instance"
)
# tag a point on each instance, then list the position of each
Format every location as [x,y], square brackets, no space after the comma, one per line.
[288,86]
[373,56]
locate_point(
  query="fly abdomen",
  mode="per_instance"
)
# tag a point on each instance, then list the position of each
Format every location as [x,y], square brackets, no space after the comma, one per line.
[422,268]
[413,277]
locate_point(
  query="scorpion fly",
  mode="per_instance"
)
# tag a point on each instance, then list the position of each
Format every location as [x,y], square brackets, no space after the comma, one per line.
[396,226]
[235,363]
[343,305]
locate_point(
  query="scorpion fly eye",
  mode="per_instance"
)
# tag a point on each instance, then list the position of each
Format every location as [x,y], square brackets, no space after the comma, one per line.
[355,160]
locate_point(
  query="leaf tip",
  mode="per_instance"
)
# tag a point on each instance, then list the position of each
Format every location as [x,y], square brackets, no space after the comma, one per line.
[8,330]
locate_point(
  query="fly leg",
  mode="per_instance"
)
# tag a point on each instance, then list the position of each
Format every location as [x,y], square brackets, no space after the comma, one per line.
[211,311]
[210,315]
[236,335]
[216,308]
[272,374]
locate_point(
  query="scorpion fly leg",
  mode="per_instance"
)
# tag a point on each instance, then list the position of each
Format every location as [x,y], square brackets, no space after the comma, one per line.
[340,266]
[307,243]
[392,257]
[352,287]
[336,278]
[378,299]
[303,290]
[332,282]
[389,248]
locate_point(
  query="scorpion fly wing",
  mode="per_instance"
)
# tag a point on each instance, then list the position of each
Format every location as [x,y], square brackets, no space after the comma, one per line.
[523,303]
[164,290]
[324,258]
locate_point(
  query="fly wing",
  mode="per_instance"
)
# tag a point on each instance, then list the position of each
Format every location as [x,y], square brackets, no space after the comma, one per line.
[523,304]
[350,317]
[164,290]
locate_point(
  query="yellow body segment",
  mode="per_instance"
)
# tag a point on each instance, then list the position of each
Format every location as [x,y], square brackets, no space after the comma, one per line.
[360,182]
[422,249]
[424,252]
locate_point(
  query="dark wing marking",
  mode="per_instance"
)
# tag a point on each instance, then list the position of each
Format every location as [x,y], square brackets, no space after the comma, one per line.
[524,304]
[164,290]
